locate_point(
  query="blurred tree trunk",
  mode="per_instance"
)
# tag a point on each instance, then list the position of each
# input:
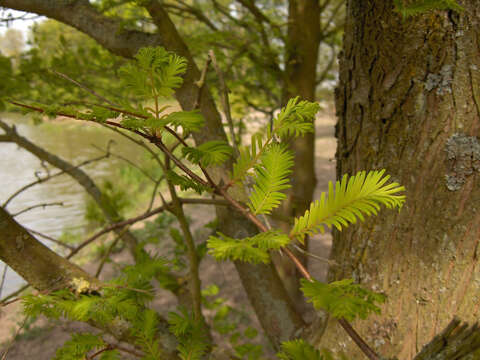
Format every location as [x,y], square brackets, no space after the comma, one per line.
[301,56]
[409,101]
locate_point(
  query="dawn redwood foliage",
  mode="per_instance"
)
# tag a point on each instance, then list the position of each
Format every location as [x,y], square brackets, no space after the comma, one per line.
[267,162]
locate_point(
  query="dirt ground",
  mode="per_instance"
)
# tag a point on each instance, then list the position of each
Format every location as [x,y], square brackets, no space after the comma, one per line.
[40,340]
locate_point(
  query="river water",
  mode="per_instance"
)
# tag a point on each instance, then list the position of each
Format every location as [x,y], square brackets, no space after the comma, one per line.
[73,141]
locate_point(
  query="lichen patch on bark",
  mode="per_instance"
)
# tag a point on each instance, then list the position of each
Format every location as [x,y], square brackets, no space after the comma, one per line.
[441,81]
[463,156]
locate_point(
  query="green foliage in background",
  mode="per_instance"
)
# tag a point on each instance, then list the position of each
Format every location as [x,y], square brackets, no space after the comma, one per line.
[417,7]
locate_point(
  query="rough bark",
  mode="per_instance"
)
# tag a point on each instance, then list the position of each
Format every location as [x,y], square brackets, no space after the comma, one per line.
[408,101]
[36,263]
[456,341]
[109,32]
[46,271]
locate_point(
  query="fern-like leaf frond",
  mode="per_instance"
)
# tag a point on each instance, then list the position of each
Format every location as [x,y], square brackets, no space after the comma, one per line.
[226,248]
[156,73]
[299,349]
[252,249]
[271,177]
[192,342]
[354,197]
[209,153]
[78,347]
[169,75]
[248,157]
[185,183]
[188,120]
[342,299]
[145,329]
[296,118]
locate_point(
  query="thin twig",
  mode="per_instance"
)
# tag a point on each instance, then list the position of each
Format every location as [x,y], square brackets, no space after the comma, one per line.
[4,275]
[94,355]
[138,142]
[176,209]
[5,300]
[84,87]
[201,82]
[45,236]
[23,17]
[303,251]
[367,350]
[128,161]
[4,357]
[10,302]
[109,251]
[44,179]
[44,205]
[154,192]
[114,226]
[204,201]
[225,101]
[158,142]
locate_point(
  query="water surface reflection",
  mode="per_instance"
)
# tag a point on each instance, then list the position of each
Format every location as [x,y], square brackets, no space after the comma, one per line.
[72,141]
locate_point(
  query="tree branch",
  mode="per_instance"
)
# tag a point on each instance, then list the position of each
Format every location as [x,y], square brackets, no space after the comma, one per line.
[44,205]
[46,178]
[76,173]
[197,13]
[46,271]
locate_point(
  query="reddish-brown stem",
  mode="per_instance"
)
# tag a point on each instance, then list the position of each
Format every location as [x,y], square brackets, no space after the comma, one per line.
[298,264]
[42,111]
[153,139]
[11,302]
[106,348]
[113,227]
[243,210]
[177,162]
[358,340]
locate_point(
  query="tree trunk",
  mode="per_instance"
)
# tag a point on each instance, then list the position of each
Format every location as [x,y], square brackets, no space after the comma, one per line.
[301,56]
[408,101]
[300,80]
